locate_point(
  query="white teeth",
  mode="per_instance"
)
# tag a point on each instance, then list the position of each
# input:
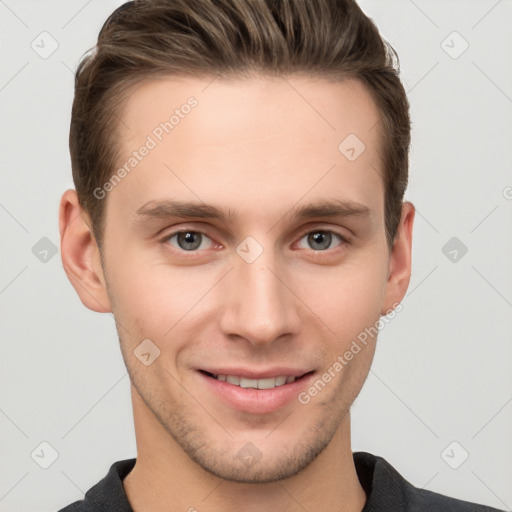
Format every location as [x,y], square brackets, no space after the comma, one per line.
[268,383]
[248,383]
[280,381]
[233,380]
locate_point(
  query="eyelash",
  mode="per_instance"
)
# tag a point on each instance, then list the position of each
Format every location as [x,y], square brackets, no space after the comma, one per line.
[342,239]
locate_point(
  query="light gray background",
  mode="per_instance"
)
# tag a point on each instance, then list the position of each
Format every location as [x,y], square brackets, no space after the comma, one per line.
[442,371]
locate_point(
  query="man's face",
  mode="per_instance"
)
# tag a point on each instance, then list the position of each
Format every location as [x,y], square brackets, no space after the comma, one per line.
[262,292]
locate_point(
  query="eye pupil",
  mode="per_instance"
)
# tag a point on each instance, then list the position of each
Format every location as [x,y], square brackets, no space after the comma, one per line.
[320,237]
[189,240]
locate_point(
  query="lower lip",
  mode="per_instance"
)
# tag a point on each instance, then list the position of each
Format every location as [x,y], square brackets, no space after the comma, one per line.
[256,401]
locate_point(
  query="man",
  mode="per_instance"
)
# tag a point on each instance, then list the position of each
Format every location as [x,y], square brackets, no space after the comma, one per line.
[240,167]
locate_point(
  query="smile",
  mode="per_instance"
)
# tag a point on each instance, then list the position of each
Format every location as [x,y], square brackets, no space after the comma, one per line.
[245,382]
[255,391]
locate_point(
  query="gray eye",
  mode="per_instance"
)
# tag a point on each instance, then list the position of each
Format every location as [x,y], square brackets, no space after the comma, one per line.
[319,240]
[189,240]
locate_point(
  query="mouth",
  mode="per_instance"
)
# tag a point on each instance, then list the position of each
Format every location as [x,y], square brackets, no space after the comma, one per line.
[248,382]
[255,392]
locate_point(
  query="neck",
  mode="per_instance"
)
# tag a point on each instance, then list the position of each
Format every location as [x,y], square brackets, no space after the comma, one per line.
[164,478]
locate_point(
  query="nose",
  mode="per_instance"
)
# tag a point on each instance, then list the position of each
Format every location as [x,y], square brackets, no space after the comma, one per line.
[258,302]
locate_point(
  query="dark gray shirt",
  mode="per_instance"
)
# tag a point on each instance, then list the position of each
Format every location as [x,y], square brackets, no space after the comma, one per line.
[386,491]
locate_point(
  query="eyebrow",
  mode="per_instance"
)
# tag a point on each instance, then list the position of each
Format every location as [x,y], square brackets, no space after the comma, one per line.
[184,209]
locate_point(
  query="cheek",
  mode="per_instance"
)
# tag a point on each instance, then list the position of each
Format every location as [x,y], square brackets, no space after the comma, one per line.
[347,298]
[155,300]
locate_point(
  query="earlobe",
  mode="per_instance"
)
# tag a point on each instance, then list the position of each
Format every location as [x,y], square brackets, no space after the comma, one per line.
[80,254]
[400,261]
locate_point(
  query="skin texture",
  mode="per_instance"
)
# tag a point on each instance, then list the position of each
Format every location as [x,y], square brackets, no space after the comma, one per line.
[257,148]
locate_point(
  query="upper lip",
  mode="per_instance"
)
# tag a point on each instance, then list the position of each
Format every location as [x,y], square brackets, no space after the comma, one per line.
[251,373]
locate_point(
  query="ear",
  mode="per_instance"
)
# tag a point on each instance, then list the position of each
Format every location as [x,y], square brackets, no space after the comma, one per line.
[399,274]
[80,254]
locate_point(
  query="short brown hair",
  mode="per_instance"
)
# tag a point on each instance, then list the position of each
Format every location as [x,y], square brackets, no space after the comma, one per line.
[145,39]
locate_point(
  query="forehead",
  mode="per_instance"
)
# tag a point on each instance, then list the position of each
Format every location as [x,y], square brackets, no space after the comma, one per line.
[249,143]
